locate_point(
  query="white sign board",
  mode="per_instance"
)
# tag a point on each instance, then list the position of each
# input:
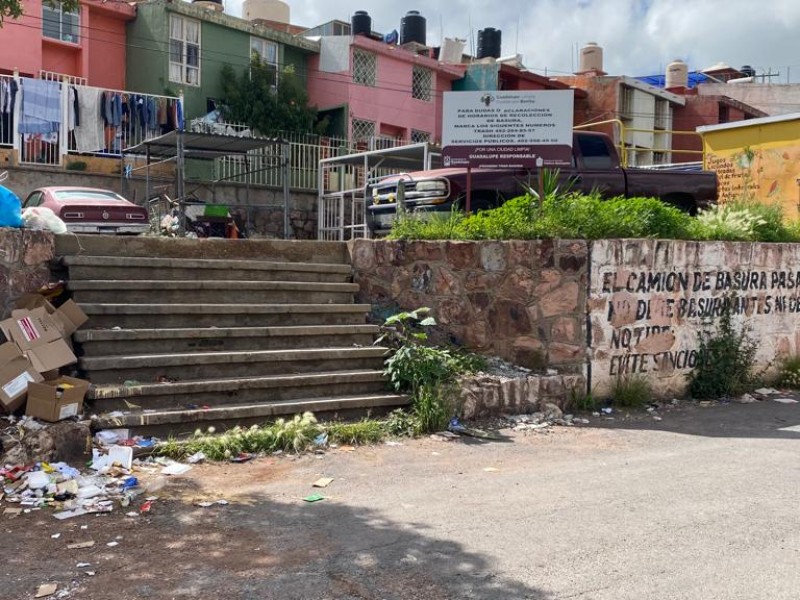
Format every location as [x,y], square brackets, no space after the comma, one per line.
[507,129]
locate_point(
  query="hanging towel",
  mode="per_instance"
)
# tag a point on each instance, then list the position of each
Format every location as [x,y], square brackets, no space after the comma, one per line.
[89,134]
[41,106]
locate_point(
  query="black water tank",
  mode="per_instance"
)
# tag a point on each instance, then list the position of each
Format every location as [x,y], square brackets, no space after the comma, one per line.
[412,28]
[361,23]
[748,71]
[490,42]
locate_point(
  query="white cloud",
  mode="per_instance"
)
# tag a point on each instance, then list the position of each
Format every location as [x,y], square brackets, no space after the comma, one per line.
[639,37]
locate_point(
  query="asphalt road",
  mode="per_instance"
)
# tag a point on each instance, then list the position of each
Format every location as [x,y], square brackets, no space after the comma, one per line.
[700,505]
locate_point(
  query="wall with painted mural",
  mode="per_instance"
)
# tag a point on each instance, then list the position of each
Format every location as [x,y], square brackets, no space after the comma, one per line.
[649,300]
[757,159]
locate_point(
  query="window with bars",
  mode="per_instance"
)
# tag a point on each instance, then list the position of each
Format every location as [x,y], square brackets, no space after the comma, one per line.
[184,50]
[421,84]
[417,136]
[365,68]
[267,53]
[60,25]
[362,131]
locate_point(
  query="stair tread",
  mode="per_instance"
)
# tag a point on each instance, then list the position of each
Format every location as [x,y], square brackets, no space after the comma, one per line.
[216,284]
[96,335]
[107,391]
[249,410]
[204,263]
[102,308]
[232,357]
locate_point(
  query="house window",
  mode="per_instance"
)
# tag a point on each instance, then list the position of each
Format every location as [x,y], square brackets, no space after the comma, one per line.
[724,113]
[421,80]
[662,114]
[184,50]
[365,68]
[418,137]
[267,53]
[363,131]
[60,25]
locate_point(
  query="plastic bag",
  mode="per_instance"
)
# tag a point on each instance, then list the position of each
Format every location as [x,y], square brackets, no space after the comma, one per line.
[40,217]
[10,208]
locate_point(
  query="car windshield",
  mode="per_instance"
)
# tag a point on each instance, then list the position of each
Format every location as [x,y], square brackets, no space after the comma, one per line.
[83,195]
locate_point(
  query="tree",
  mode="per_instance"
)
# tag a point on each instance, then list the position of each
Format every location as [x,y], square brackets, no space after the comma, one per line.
[12,9]
[267,100]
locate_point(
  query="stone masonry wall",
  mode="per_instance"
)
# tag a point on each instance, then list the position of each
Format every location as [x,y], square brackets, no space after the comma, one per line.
[521,300]
[24,263]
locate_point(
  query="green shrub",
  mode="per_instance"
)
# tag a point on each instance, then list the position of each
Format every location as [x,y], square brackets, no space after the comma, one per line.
[789,374]
[366,431]
[631,391]
[725,364]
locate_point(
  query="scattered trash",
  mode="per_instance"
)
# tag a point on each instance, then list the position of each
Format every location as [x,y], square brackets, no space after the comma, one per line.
[746,399]
[243,457]
[314,498]
[83,565]
[46,589]
[80,545]
[176,469]
[145,508]
[112,544]
[785,400]
[767,391]
[457,427]
[196,458]
[321,439]
[492,470]
[392,443]
[206,504]
[656,418]
[607,410]
[322,482]
[445,436]
[55,536]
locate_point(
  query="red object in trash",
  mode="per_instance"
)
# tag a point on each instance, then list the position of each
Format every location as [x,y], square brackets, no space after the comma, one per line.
[144,508]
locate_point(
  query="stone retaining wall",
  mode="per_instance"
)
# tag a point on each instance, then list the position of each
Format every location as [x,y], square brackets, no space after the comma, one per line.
[521,300]
[490,395]
[24,263]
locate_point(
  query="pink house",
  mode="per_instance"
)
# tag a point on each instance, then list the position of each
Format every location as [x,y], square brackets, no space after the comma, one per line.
[370,89]
[88,45]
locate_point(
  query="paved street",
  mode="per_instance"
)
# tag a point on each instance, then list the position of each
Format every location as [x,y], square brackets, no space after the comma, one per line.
[703,504]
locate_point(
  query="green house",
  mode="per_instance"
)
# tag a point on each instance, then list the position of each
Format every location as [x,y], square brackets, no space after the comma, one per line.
[176,47]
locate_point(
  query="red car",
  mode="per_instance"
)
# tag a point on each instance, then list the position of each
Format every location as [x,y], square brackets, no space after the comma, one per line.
[91,210]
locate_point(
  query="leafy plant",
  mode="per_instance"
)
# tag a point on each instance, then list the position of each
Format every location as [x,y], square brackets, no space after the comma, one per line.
[582,401]
[631,391]
[729,222]
[421,370]
[366,431]
[400,422]
[789,374]
[725,363]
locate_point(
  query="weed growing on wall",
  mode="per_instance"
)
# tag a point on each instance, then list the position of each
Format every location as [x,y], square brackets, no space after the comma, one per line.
[726,362]
[789,374]
[421,370]
[631,391]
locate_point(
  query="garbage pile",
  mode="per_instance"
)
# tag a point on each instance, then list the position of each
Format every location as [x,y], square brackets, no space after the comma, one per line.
[113,479]
[540,422]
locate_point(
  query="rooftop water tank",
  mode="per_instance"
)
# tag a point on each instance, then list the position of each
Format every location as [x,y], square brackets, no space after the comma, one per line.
[361,23]
[677,75]
[266,10]
[591,58]
[748,71]
[490,41]
[215,5]
[413,28]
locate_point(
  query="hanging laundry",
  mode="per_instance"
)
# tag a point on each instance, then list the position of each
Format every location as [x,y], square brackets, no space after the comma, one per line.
[89,134]
[41,106]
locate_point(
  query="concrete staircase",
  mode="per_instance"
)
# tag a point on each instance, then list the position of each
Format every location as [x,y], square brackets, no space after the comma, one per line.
[188,333]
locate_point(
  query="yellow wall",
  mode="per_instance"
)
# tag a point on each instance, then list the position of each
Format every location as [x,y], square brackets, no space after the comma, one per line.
[760,162]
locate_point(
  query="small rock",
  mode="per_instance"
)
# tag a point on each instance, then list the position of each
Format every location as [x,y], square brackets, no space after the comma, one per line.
[656,418]
[675,402]
[551,411]
[595,414]
[767,391]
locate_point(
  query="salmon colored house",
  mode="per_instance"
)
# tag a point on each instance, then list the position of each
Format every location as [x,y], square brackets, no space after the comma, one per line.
[88,45]
[370,89]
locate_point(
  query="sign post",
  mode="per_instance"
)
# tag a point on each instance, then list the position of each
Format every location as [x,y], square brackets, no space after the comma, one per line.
[507,130]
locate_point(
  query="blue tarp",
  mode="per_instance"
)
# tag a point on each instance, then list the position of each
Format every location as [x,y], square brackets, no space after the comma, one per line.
[660,80]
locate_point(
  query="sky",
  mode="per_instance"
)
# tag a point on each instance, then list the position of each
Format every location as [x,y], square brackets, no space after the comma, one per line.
[639,37]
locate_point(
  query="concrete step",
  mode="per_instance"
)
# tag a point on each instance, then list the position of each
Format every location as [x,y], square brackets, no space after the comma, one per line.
[212,365]
[210,292]
[126,267]
[110,342]
[242,390]
[299,251]
[183,422]
[156,316]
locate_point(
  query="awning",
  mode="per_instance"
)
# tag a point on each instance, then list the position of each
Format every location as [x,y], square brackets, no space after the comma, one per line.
[199,145]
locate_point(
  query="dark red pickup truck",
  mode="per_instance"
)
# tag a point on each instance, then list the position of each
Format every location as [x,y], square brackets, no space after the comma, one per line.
[595,165]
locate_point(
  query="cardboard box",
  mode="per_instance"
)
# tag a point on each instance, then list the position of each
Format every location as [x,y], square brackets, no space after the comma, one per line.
[68,317]
[16,375]
[39,337]
[51,402]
